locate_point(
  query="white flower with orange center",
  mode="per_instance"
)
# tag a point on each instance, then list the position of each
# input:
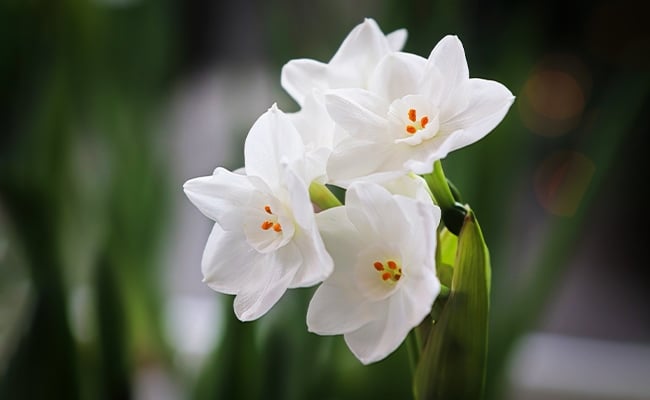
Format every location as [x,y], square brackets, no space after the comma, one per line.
[306,80]
[413,112]
[384,280]
[265,239]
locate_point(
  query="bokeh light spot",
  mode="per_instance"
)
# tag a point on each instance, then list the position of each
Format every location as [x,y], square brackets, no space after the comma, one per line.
[561,181]
[552,102]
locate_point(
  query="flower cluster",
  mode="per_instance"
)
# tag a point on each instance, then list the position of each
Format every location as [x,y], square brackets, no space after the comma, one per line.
[370,120]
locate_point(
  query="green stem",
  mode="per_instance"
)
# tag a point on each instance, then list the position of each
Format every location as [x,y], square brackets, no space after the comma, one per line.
[322,197]
[439,187]
[453,213]
[444,292]
[413,347]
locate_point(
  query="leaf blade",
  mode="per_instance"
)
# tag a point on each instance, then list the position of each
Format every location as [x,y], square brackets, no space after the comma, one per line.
[452,365]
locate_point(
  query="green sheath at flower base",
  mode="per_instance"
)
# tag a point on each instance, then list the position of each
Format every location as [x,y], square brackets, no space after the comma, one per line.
[321,196]
[452,364]
[453,213]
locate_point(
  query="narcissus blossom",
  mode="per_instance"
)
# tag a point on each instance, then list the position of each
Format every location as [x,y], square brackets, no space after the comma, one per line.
[351,66]
[265,238]
[384,280]
[413,112]
[306,80]
[370,120]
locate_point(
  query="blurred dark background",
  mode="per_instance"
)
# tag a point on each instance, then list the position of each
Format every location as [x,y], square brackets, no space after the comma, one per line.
[108,106]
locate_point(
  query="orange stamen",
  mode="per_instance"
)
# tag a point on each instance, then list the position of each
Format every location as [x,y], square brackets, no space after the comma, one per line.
[266,225]
[277,227]
[412,115]
[379,266]
[424,121]
[410,129]
[392,264]
[268,209]
[385,276]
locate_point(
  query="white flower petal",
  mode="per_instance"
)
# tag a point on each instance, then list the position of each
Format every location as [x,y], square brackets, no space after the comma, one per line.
[337,310]
[371,343]
[375,214]
[449,58]
[342,241]
[354,160]
[421,158]
[358,111]
[217,195]
[397,39]
[272,140]
[418,247]
[271,277]
[397,75]
[376,340]
[418,299]
[299,201]
[362,49]
[226,261]
[488,103]
[410,185]
[317,263]
[364,342]
[299,77]
[313,123]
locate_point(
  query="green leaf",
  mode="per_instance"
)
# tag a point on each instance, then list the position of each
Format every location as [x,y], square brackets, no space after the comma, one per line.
[447,245]
[452,364]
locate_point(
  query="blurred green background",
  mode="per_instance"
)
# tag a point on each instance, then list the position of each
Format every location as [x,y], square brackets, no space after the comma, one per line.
[108,106]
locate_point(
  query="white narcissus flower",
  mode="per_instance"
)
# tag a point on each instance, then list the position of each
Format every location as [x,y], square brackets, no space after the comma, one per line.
[414,112]
[265,238]
[384,280]
[351,66]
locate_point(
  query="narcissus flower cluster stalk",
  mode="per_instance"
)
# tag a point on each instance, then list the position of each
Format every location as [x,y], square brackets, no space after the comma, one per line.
[373,121]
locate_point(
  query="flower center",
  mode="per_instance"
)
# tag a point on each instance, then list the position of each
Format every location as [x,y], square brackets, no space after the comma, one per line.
[415,125]
[389,271]
[272,222]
